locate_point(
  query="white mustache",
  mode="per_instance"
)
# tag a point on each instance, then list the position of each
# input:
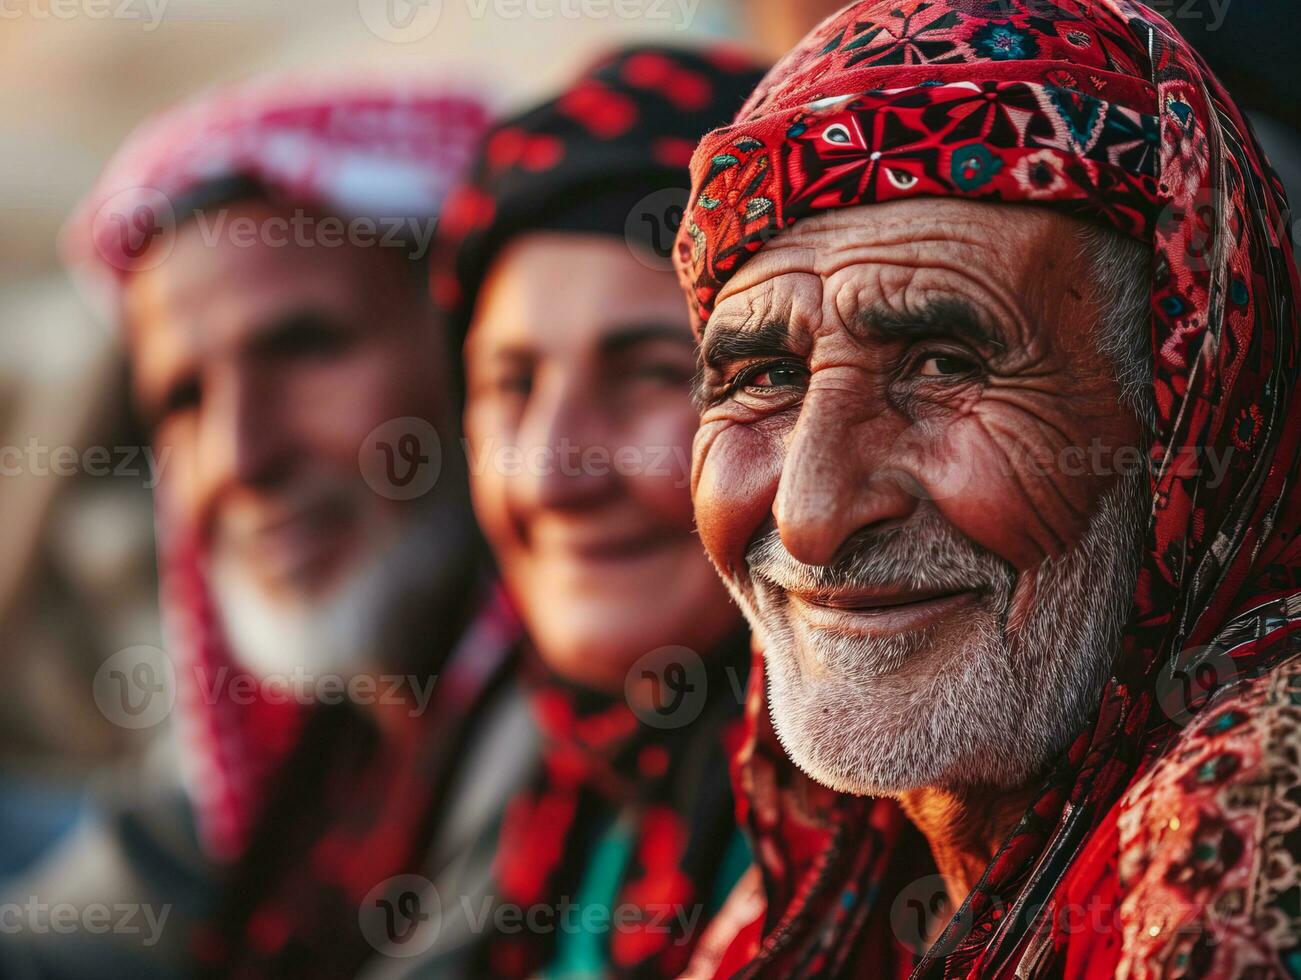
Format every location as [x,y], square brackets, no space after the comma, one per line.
[239,523]
[925,553]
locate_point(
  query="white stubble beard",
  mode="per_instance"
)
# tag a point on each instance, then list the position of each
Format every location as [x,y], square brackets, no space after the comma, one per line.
[348,629]
[995,714]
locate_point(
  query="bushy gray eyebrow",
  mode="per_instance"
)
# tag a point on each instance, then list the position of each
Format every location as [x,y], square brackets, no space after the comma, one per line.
[939,318]
[723,344]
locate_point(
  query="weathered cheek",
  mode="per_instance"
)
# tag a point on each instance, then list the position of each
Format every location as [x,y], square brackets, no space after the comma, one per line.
[735,476]
[1010,495]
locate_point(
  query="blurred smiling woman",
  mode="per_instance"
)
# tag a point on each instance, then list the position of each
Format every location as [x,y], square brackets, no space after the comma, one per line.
[579,359]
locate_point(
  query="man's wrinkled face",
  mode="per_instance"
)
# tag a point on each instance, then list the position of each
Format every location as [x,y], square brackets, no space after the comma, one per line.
[890,395]
[261,369]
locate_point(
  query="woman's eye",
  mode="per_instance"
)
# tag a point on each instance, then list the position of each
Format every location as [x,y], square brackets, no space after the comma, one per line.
[670,375]
[945,366]
[513,384]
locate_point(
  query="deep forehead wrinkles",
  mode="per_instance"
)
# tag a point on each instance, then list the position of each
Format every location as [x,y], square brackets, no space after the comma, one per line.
[910,256]
[791,298]
[882,301]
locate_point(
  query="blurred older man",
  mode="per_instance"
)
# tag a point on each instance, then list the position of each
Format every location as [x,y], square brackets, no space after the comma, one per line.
[336,642]
[998,453]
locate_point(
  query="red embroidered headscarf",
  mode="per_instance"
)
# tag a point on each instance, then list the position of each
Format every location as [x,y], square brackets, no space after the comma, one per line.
[1097,107]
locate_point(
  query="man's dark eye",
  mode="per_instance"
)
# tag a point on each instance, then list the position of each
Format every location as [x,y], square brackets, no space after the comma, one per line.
[306,336]
[670,375]
[944,366]
[769,377]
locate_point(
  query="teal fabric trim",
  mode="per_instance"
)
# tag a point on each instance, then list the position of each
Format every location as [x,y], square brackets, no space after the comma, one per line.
[584,954]
[736,861]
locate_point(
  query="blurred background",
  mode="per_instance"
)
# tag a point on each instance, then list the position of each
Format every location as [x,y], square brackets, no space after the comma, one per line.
[77,576]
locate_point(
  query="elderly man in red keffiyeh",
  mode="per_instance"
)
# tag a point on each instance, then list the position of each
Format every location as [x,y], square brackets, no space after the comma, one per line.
[264,251]
[999,455]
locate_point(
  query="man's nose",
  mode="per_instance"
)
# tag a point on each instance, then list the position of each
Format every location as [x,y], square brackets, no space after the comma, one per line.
[837,477]
[564,448]
[242,439]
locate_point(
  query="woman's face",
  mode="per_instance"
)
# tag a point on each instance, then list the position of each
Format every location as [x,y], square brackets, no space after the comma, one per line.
[579,419]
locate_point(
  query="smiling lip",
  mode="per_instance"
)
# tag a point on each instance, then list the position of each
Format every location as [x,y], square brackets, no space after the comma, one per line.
[292,542]
[878,611]
[867,600]
[611,549]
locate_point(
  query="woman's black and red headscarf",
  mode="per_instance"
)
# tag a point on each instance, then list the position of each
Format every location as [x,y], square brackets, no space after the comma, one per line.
[608,152]
[587,160]
[1180,828]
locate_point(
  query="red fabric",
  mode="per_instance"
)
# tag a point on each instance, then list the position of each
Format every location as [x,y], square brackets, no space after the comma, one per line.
[230,745]
[379,149]
[1098,107]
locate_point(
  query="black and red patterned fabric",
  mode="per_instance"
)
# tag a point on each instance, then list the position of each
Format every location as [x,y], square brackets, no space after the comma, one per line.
[1179,828]
[583,161]
[668,786]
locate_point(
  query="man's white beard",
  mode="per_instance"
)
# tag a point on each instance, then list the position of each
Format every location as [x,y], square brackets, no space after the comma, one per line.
[349,629]
[994,714]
